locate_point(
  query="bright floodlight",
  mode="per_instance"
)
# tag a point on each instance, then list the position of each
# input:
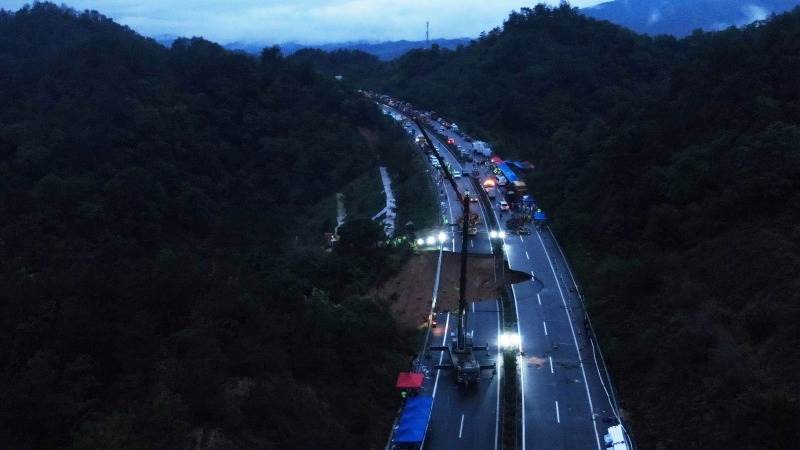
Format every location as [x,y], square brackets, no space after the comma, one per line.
[501,234]
[442,237]
[509,340]
[431,240]
[503,340]
[420,241]
[493,234]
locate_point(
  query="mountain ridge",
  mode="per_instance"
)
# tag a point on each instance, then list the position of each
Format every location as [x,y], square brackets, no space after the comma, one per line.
[681,17]
[384,50]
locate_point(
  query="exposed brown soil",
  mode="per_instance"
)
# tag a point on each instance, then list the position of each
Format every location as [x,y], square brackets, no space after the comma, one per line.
[410,291]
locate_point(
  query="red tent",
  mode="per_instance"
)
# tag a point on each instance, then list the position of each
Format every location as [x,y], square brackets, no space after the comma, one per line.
[496,159]
[409,380]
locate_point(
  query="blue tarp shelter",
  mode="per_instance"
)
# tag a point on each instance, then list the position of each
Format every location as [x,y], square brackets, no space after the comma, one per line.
[413,422]
[507,172]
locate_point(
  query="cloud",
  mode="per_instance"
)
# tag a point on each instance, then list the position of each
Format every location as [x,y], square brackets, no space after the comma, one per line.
[753,13]
[305,21]
[655,16]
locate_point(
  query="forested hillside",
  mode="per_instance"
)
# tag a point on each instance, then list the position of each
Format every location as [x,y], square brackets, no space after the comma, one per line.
[155,289]
[672,170]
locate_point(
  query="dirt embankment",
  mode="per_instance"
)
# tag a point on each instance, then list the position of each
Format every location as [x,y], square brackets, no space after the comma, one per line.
[410,291]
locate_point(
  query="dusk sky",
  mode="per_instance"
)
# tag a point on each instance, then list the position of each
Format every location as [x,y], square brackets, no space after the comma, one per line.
[305,21]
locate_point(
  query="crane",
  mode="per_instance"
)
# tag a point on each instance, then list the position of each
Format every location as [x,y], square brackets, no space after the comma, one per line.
[465,365]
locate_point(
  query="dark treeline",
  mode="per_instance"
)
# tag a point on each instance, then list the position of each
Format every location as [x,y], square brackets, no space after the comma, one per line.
[154,292]
[672,168]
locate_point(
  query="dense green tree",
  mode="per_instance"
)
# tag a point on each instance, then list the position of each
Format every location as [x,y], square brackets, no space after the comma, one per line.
[671,170]
[156,287]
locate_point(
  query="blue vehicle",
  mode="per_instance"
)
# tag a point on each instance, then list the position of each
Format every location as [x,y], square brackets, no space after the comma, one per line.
[539,218]
[413,424]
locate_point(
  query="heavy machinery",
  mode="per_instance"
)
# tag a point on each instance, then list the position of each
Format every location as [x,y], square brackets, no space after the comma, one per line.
[516,224]
[472,223]
[463,361]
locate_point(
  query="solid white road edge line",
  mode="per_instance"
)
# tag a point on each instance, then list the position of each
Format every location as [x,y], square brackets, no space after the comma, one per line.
[521,369]
[611,398]
[436,283]
[574,340]
[499,372]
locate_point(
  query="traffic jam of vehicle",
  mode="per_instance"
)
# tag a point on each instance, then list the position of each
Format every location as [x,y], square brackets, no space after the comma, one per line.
[502,180]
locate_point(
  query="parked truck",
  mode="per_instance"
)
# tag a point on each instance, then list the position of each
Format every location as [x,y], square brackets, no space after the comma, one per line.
[482,148]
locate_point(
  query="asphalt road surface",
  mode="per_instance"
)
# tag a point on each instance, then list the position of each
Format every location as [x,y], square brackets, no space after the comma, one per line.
[565,399]
[465,418]
[479,244]
[462,418]
[565,404]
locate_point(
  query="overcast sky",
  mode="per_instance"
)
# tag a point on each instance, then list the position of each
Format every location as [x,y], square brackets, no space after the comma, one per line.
[305,21]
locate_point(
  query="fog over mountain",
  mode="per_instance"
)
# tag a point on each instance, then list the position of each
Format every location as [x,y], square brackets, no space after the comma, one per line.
[383,50]
[680,17]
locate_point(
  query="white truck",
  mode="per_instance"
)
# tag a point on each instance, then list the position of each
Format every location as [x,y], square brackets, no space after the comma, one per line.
[482,148]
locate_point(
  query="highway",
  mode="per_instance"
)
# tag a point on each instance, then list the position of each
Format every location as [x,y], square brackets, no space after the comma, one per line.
[479,244]
[565,401]
[462,419]
[565,405]
[452,208]
[465,419]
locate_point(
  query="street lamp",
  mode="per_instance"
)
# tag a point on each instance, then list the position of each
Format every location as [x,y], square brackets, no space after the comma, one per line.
[420,242]
[431,240]
[442,237]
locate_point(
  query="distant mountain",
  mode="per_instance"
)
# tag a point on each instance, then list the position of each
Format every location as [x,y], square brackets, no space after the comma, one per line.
[681,17]
[165,39]
[383,50]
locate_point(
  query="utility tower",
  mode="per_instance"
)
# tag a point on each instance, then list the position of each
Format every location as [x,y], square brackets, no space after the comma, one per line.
[427,34]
